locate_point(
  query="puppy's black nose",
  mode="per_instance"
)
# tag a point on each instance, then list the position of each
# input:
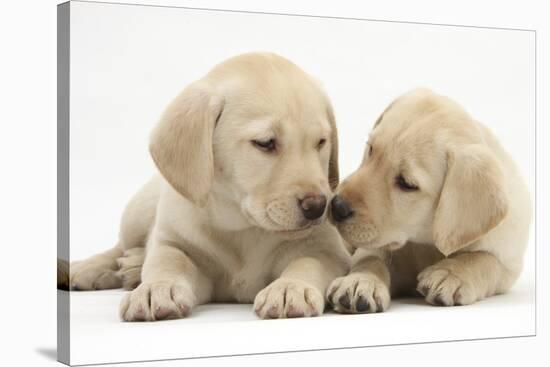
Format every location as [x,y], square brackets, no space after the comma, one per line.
[340,209]
[313,206]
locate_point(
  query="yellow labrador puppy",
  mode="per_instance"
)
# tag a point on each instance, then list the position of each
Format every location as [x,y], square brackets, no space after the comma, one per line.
[247,157]
[436,206]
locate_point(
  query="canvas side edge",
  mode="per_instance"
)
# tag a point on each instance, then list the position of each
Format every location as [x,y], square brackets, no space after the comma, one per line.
[63,136]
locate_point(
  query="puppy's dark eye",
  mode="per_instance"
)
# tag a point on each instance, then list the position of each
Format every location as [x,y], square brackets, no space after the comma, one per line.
[265,145]
[321,143]
[404,184]
[370,149]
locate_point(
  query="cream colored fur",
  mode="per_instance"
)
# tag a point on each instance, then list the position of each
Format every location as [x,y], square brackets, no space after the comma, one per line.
[222,222]
[457,239]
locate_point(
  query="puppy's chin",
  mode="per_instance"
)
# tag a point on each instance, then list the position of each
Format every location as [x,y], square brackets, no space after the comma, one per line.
[377,244]
[296,233]
[367,236]
[358,234]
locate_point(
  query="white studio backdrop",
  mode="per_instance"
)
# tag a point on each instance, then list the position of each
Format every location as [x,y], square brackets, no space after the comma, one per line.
[128,62]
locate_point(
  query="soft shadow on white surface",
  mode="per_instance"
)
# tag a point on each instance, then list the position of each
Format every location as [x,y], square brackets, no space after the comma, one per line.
[97,335]
[49,353]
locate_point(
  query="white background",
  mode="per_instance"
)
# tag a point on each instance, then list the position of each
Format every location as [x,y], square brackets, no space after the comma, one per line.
[28,154]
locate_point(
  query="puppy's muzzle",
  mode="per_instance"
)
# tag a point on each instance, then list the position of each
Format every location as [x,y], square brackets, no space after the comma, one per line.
[340,209]
[313,206]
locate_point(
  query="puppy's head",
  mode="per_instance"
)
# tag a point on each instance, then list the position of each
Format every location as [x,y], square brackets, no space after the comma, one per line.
[255,138]
[427,176]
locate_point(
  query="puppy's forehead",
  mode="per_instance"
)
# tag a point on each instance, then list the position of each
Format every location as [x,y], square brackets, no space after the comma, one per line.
[417,116]
[265,74]
[270,126]
[266,91]
[422,118]
[407,110]
[410,130]
[286,102]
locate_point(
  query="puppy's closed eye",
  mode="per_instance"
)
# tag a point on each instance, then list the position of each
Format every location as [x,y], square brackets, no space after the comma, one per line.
[405,185]
[267,145]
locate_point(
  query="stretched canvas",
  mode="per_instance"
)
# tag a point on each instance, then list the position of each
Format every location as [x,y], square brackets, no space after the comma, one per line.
[119,68]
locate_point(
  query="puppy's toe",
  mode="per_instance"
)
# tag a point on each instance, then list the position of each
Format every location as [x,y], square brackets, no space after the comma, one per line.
[183,297]
[288,299]
[124,305]
[358,293]
[162,305]
[362,305]
[344,301]
[157,301]
[135,306]
[442,287]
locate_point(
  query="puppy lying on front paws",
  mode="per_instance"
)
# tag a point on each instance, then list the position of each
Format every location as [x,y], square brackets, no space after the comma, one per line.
[248,157]
[437,206]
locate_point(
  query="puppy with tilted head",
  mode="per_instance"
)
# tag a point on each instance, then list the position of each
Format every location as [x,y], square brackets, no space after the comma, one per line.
[436,207]
[247,158]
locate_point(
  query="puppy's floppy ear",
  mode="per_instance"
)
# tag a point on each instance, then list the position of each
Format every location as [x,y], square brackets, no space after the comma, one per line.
[473,199]
[333,171]
[181,143]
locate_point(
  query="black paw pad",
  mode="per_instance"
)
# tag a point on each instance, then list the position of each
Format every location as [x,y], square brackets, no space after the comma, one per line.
[345,302]
[362,305]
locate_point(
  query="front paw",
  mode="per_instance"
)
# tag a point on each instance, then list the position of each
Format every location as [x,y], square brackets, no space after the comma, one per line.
[443,284]
[94,274]
[288,298]
[358,293]
[157,301]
